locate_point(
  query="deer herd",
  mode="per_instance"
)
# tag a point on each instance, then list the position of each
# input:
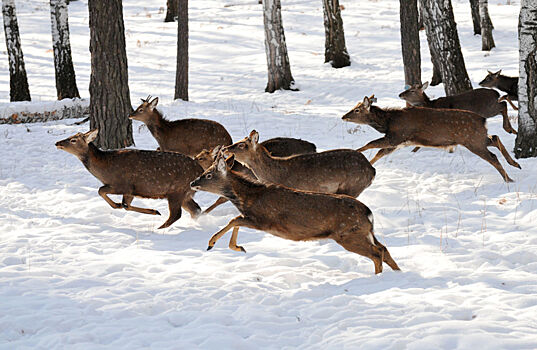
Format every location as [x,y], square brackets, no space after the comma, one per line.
[283,186]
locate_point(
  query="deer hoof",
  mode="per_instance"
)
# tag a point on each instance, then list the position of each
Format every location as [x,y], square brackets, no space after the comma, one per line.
[210,247]
[242,249]
[157,212]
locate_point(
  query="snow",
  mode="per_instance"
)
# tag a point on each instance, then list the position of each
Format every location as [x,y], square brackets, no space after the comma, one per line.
[76,274]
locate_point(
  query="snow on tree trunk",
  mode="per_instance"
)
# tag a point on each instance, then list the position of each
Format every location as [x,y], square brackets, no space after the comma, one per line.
[63,62]
[172,10]
[410,41]
[487,41]
[444,45]
[476,19]
[110,103]
[335,50]
[181,75]
[18,82]
[279,70]
[526,140]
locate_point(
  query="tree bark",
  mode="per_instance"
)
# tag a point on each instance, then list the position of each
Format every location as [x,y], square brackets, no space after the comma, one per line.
[279,70]
[410,41]
[335,50]
[61,45]
[181,77]
[476,18]
[526,140]
[487,41]
[172,10]
[110,102]
[18,81]
[444,45]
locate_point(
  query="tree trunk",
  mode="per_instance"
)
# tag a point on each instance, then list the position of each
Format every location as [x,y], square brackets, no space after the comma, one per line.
[444,45]
[335,50]
[18,82]
[410,41]
[172,10]
[526,140]
[476,18]
[63,62]
[279,70]
[110,102]
[487,41]
[181,75]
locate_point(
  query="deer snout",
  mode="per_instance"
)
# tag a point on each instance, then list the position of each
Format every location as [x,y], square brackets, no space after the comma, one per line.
[195,185]
[347,116]
[59,145]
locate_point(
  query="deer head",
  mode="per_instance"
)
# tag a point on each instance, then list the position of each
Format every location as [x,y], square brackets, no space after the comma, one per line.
[245,149]
[144,112]
[361,113]
[78,144]
[215,178]
[415,95]
[491,80]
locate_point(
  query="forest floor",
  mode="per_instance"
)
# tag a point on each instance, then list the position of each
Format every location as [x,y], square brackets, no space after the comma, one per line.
[75,274]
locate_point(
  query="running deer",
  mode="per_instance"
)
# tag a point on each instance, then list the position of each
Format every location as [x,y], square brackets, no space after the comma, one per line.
[481,101]
[136,173]
[341,171]
[293,214]
[186,136]
[502,83]
[278,146]
[428,127]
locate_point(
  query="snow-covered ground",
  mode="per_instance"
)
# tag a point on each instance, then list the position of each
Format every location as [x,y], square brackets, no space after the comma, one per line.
[76,274]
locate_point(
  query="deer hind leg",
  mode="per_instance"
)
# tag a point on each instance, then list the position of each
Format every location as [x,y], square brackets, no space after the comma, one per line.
[383,152]
[354,241]
[126,203]
[490,157]
[174,204]
[191,207]
[386,257]
[494,140]
[218,202]
[235,222]
[233,241]
[506,124]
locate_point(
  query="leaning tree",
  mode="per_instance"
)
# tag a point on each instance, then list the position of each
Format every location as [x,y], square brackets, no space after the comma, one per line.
[61,45]
[279,70]
[110,103]
[526,140]
[444,45]
[18,82]
[335,50]
[181,74]
[410,41]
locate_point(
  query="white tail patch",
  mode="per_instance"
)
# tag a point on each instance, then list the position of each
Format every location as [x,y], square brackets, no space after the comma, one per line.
[370,235]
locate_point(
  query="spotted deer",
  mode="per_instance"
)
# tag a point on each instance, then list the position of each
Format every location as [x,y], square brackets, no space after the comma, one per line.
[137,173]
[186,136]
[293,214]
[428,127]
[341,171]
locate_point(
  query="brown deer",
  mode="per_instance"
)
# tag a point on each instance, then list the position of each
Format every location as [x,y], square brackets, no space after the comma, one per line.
[481,101]
[186,136]
[428,127]
[279,146]
[293,214]
[136,173]
[502,83]
[341,171]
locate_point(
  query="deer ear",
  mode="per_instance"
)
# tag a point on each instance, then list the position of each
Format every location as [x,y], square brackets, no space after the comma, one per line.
[221,165]
[425,85]
[254,136]
[153,103]
[215,151]
[366,103]
[91,135]
[230,161]
[498,73]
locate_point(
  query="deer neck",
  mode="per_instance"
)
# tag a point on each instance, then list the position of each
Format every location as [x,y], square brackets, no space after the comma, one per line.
[241,191]
[262,163]
[507,84]
[426,101]
[380,119]
[93,158]
[158,125]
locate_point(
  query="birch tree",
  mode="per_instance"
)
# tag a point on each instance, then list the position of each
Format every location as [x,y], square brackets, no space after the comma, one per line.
[110,103]
[181,74]
[410,41]
[444,45]
[487,41]
[335,50]
[526,140]
[61,45]
[279,70]
[18,82]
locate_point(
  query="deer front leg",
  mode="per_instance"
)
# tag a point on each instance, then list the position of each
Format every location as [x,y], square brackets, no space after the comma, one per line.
[104,191]
[383,152]
[235,222]
[383,142]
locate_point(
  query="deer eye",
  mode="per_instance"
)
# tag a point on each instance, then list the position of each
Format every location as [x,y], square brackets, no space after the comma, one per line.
[209,176]
[139,110]
[242,146]
[72,140]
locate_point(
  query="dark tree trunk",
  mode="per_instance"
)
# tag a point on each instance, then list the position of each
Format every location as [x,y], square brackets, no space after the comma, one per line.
[63,62]
[487,41]
[410,41]
[526,140]
[110,102]
[444,45]
[172,10]
[181,75]
[279,70]
[18,82]
[476,19]
[421,26]
[335,50]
